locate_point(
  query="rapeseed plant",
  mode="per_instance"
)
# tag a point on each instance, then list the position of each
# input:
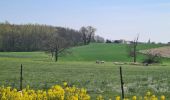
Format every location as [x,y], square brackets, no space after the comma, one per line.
[58,92]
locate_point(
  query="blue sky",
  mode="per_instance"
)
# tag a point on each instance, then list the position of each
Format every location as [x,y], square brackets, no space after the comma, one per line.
[114,19]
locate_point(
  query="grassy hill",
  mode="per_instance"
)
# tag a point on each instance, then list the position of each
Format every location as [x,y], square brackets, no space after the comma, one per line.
[92,52]
[41,73]
[103,51]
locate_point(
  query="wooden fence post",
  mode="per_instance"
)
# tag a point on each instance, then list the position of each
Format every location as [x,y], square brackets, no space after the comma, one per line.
[121,80]
[21,78]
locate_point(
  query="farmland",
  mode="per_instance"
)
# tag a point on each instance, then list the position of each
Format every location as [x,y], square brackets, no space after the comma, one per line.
[162,51]
[106,52]
[79,68]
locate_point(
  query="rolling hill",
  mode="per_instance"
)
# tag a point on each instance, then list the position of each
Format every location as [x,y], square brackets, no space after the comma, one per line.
[103,51]
[92,52]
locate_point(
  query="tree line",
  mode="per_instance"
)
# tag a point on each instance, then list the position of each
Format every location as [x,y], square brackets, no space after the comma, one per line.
[36,37]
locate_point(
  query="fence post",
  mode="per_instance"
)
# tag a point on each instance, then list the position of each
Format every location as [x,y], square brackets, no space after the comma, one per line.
[121,80]
[21,78]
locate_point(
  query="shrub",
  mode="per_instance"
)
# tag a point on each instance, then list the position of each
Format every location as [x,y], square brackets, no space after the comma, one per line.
[152,58]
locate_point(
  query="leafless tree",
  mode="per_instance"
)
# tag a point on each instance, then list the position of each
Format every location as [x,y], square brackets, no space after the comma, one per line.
[55,45]
[99,39]
[132,49]
[135,43]
[87,34]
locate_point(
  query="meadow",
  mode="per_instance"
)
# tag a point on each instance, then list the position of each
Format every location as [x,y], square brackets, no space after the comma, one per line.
[103,51]
[79,68]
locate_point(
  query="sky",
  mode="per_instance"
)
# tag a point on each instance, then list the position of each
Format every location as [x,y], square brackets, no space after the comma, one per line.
[113,19]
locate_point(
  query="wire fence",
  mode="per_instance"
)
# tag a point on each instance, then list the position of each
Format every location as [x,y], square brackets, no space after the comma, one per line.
[155,81]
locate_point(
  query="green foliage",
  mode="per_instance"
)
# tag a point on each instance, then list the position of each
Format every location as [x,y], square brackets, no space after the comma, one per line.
[32,37]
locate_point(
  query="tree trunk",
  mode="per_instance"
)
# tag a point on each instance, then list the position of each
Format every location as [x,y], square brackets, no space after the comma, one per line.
[134,53]
[85,41]
[89,39]
[56,55]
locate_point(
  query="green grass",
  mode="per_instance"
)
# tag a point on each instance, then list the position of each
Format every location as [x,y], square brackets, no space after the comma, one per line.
[81,70]
[106,52]
[92,52]
[97,78]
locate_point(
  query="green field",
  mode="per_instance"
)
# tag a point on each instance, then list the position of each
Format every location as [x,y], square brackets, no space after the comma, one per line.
[79,68]
[106,52]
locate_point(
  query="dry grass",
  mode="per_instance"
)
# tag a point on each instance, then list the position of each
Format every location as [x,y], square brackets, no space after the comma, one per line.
[163,51]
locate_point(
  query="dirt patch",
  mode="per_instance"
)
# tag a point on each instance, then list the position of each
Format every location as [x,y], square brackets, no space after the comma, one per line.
[162,51]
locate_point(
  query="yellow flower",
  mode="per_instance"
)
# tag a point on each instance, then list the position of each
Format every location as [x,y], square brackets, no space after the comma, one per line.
[65,84]
[148,93]
[125,99]
[117,97]
[162,97]
[134,98]
[145,98]
[58,92]
[100,97]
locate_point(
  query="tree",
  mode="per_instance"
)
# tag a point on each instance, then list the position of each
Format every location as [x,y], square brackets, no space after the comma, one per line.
[87,34]
[55,45]
[30,37]
[132,49]
[99,39]
[108,41]
[135,43]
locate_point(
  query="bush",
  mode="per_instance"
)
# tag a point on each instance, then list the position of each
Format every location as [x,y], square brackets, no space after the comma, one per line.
[152,58]
[108,41]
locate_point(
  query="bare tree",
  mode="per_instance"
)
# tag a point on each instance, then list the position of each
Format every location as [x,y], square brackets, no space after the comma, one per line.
[132,49]
[87,34]
[135,43]
[55,45]
[99,39]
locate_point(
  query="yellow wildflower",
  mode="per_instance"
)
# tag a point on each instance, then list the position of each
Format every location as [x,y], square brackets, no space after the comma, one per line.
[134,98]
[65,84]
[117,97]
[162,97]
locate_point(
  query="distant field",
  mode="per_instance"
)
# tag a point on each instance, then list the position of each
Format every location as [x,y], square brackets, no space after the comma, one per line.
[106,52]
[92,52]
[163,51]
[80,69]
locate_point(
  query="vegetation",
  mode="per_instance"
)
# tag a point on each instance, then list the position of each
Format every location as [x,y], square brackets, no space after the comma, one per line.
[78,67]
[34,37]
[133,49]
[107,52]
[152,58]
[54,93]
[87,34]
[40,73]
[58,92]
